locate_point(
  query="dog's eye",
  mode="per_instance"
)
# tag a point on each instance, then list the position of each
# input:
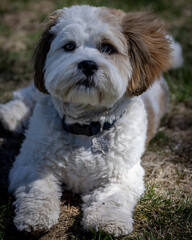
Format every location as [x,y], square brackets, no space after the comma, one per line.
[107,48]
[69,47]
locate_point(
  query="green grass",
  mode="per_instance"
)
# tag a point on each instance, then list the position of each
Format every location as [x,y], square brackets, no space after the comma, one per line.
[159,141]
[180,84]
[97,236]
[6,215]
[15,70]
[165,217]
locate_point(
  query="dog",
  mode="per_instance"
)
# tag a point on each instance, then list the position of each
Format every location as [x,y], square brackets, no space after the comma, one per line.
[101,96]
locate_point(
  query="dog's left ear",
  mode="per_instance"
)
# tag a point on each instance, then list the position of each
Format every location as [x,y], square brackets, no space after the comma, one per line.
[148,48]
[41,51]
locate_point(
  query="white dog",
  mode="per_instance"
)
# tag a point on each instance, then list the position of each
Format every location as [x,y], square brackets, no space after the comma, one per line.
[100,71]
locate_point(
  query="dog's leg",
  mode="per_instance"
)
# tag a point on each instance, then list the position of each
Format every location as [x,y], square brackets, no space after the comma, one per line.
[37,204]
[110,208]
[15,114]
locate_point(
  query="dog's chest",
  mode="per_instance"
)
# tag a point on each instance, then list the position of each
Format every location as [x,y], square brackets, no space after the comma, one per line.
[86,162]
[83,163]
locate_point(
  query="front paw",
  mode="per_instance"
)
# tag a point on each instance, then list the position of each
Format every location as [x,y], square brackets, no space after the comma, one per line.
[113,220]
[35,217]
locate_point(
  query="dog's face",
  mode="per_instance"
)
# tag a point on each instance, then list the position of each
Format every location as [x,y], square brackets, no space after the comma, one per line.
[87,61]
[90,55]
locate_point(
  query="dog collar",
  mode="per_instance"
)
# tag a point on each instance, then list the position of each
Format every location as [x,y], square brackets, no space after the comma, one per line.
[86,129]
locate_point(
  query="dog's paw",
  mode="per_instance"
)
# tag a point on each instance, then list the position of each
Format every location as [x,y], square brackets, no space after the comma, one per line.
[37,218]
[34,222]
[116,221]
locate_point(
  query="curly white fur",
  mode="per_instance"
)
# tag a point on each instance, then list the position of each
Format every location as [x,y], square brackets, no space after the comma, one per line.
[15,114]
[114,178]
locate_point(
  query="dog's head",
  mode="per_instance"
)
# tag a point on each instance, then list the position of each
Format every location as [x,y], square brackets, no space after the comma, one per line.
[95,56]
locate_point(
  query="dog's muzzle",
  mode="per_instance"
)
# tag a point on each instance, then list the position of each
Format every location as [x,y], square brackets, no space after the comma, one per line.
[88,67]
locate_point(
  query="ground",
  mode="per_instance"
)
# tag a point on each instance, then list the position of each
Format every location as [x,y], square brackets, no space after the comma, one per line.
[165,210]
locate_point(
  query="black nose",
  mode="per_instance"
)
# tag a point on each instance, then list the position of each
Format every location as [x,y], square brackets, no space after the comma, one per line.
[88,67]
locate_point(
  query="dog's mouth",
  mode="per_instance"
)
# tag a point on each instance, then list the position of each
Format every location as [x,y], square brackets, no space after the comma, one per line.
[86,82]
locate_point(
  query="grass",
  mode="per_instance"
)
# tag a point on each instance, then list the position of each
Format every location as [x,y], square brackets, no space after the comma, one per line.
[165,210]
[6,215]
[180,85]
[159,141]
[164,215]
[161,214]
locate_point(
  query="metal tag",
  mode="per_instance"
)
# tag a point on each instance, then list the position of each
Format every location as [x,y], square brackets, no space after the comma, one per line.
[100,145]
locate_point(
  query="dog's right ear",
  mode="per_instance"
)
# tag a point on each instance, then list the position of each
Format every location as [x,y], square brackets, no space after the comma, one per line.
[148,48]
[41,51]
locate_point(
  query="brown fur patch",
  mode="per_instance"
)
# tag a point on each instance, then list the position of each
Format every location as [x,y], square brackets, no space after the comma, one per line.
[151,125]
[154,119]
[117,12]
[114,18]
[40,53]
[149,49]
[163,99]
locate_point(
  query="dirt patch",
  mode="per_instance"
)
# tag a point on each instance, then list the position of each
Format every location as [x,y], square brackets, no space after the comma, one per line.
[69,226]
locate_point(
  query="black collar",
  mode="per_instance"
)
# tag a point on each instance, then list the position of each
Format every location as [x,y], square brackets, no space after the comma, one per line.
[86,129]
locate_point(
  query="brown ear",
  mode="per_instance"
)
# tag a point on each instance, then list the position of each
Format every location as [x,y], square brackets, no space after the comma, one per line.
[40,54]
[149,49]
[117,12]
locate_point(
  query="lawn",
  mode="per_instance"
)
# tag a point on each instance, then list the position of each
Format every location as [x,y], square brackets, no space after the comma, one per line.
[165,210]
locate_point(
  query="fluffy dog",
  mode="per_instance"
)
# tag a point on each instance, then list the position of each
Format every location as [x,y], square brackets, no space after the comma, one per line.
[103,95]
